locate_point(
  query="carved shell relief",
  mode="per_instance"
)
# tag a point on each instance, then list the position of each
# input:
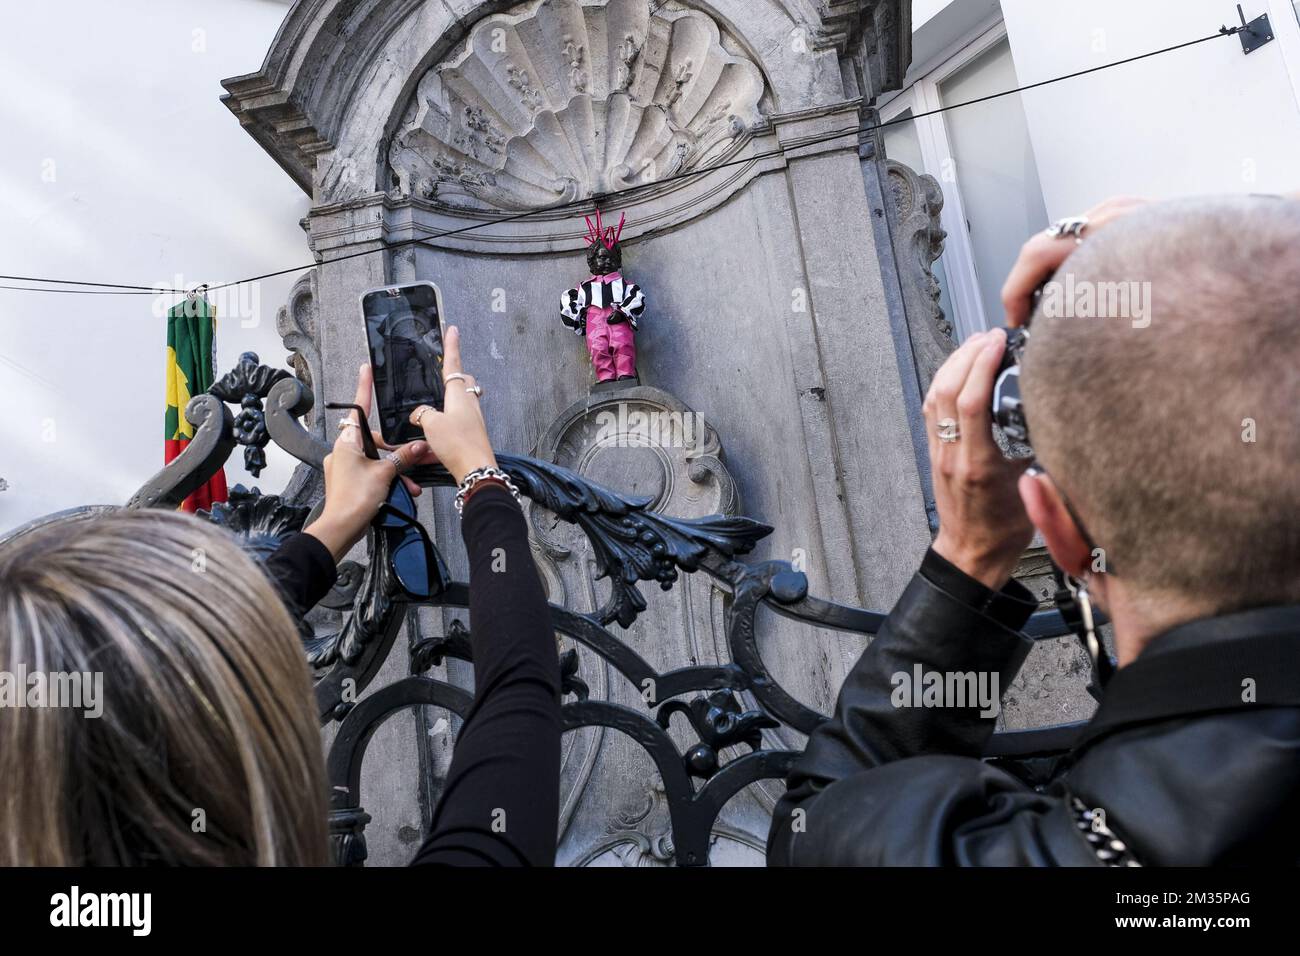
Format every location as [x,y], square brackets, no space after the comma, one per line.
[559,100]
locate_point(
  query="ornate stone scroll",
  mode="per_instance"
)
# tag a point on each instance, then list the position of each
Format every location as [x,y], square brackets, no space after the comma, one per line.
[560,100]
[918,243]
[298,323]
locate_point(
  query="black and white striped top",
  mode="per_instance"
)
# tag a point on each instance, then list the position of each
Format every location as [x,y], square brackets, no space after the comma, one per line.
[617,293]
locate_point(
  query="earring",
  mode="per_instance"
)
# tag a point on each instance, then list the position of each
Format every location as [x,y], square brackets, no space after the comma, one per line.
[1079,588]
[1083,623]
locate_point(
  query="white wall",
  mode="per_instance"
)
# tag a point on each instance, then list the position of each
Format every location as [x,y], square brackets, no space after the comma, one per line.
[120,164]
[937,24]
[1207,119]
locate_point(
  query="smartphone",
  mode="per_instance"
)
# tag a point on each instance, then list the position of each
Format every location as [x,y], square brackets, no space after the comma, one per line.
[404,334]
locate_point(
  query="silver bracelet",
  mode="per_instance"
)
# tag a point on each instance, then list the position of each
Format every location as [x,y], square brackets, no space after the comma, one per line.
[477,475]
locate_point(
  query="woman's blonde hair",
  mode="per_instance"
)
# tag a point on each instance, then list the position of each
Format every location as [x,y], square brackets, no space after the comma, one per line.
[207,750]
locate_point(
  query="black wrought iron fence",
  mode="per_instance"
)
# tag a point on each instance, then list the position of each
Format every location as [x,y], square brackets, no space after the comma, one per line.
[632,546]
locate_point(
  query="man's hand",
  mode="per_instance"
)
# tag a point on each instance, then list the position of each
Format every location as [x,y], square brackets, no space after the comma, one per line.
[983,528]
[1042,255]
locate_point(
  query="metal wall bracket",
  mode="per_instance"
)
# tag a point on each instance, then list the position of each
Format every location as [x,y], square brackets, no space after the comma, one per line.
[1255,34]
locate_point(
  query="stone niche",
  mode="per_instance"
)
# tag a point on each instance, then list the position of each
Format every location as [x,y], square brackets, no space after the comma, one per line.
[778,312]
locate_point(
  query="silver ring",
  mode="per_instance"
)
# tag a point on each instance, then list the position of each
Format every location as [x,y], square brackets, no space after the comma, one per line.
[419,415]
[476,391]
[347,423]
[395,458]
[948,431]
[455,377]
[1072,226]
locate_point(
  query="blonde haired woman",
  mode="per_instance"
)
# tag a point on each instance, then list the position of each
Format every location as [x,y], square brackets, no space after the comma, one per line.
[207,750]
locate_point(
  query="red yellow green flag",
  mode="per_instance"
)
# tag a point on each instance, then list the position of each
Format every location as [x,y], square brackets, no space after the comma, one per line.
[191,328]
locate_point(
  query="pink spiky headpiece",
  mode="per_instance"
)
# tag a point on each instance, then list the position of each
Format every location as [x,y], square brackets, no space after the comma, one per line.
[598,232]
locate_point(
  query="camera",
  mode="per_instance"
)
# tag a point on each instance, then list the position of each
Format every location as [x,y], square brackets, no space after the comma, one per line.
[1008,409]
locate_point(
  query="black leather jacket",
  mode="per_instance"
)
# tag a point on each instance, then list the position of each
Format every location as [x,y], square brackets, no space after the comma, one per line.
[1193,755]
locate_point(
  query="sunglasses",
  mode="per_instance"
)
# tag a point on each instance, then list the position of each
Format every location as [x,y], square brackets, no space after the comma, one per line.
[414,561]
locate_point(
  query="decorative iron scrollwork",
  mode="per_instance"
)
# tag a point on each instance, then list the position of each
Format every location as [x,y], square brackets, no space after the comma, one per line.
[248,383]
[720,723]
[630,544]
[431,651]
[570,682]
[263,521]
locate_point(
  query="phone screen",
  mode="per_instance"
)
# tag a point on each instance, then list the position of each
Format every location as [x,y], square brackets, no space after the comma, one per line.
[404,333]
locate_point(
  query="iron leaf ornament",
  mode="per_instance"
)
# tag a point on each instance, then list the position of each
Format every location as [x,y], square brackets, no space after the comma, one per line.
[262,521]
[630,544]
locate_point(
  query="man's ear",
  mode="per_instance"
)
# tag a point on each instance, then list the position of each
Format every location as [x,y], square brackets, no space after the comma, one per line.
[1046,509]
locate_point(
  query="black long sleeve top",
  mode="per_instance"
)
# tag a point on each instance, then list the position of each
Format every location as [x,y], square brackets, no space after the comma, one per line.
[500,805]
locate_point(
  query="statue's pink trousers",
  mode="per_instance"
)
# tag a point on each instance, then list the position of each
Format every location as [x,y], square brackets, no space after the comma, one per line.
[611,345]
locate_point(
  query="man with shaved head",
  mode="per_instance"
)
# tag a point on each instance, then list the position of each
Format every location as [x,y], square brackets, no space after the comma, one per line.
[1161,394]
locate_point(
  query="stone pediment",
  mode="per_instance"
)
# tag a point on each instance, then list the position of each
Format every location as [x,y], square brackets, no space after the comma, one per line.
[344,84]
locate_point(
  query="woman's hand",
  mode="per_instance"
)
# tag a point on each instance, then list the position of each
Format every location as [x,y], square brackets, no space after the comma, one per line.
[983,528]
[1042,255]
[356,486]
[457,435]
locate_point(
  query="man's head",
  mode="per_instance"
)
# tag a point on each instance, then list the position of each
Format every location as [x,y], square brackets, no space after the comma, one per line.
[1173,429]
